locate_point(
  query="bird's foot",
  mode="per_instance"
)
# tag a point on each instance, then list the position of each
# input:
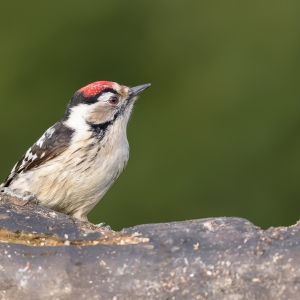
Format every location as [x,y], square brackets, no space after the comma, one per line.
[101,225]
[26,198]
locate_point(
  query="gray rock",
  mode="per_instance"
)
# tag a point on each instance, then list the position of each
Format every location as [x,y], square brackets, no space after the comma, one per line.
[48,255]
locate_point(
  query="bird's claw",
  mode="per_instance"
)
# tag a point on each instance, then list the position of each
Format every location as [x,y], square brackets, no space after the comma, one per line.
[101,225]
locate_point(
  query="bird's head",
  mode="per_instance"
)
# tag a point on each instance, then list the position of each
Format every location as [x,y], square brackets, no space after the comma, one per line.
[103,101]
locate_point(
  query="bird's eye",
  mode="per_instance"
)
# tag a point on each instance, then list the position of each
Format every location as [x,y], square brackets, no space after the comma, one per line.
[114,100]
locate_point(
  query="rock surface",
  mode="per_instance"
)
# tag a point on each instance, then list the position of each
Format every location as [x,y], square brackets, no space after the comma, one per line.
[48,255]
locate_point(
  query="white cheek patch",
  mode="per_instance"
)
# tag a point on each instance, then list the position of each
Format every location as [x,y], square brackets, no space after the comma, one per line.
[76,119]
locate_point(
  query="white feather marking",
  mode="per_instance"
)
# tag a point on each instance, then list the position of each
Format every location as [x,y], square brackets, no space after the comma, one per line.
[14,168]
[29,156]
[46,135]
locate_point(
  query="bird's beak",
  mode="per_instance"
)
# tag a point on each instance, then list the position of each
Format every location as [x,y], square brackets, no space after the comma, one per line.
[134,91]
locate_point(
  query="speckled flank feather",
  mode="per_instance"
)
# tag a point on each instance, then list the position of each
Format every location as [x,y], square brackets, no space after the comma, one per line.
[76,160]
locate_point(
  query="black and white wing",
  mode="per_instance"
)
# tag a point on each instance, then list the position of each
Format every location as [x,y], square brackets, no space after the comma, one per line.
[53,142]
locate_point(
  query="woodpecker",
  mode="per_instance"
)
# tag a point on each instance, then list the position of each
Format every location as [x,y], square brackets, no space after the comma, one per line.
[75,162]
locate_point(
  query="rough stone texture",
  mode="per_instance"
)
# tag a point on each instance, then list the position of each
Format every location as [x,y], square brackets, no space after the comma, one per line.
[48,255]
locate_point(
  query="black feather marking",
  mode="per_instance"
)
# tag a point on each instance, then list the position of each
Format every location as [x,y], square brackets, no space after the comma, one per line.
[99,130]
[76,150]
[87,168]
[53,142]
[80,162]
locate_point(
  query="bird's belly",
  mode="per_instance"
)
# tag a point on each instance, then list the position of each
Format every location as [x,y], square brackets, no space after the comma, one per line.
[101,174]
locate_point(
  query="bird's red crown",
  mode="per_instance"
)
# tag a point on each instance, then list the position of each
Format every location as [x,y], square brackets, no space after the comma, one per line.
[95,88]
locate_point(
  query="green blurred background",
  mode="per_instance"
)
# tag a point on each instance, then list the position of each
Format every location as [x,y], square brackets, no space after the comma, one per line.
[217,134]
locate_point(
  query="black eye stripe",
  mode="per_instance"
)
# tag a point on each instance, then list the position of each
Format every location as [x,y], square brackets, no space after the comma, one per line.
[95,98]
[78,98]
[106,91]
